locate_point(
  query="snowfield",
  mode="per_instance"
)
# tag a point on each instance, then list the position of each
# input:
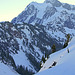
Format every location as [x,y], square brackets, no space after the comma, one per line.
[65,62]
[6,70]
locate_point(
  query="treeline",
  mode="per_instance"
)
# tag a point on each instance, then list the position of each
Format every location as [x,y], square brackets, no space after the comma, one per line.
[6,58]
[24,71]
[53,49]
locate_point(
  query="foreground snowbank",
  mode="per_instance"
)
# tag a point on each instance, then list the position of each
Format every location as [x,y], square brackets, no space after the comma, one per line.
[5,70]
[65,62]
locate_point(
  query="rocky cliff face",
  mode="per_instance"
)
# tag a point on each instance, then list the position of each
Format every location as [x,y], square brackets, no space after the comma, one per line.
[55,3]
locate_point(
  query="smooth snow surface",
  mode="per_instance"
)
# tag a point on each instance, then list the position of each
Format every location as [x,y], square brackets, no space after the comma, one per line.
[65,62]
[21,59]
[6,70]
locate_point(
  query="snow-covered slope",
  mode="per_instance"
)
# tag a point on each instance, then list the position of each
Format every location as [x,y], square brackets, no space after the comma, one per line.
[7,70]
[25,43]
[65,62]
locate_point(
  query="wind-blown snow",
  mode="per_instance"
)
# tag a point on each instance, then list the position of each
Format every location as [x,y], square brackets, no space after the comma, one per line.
[65,62]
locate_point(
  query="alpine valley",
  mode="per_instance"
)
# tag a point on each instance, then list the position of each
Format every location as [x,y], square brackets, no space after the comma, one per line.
[31,34]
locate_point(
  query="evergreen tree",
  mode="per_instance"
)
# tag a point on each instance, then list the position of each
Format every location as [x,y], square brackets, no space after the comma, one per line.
[40,64]
[43,59]
[53,48]
[23,71]
[47,56]
[66,42]
[68,37]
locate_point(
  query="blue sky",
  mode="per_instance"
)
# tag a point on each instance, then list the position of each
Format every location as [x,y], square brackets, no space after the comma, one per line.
[11,8]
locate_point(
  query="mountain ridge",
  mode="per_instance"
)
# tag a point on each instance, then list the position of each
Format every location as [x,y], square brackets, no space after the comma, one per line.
[35,10]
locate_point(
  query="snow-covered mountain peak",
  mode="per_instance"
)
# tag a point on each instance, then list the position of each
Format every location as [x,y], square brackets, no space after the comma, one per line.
[51,1]
[54,2]
[54,15]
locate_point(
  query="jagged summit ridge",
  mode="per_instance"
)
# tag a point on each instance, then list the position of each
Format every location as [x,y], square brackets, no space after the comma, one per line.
[51,1]
[54,2]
